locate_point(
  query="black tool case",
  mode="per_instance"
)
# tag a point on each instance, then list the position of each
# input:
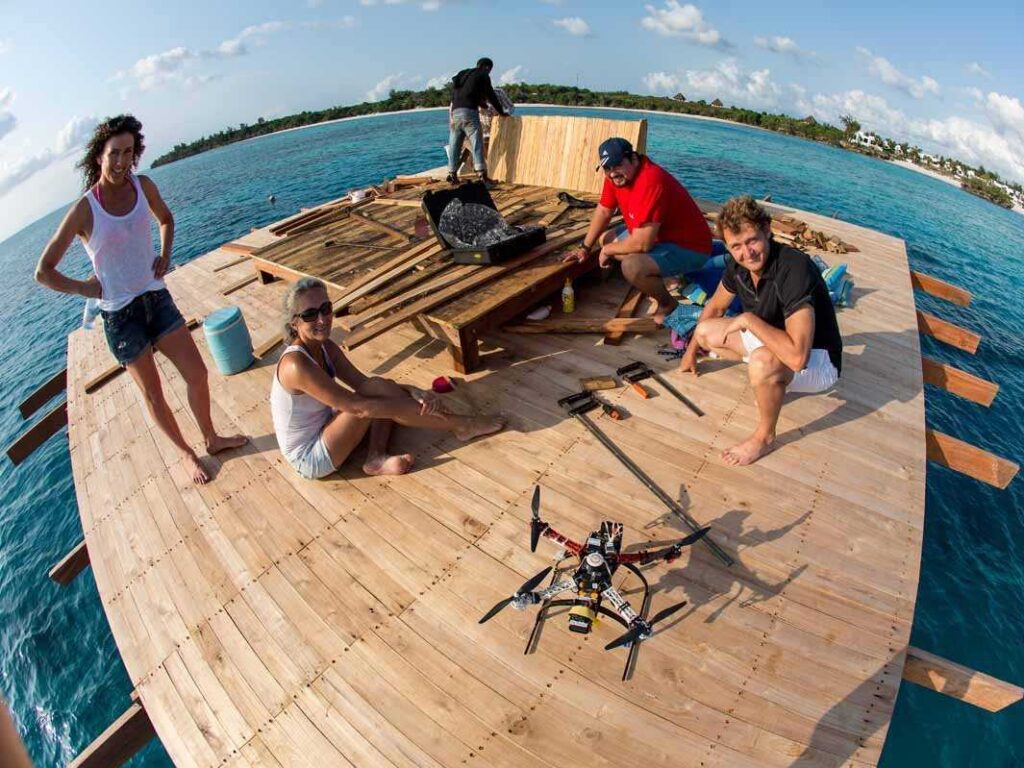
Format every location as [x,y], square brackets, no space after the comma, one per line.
[434,204]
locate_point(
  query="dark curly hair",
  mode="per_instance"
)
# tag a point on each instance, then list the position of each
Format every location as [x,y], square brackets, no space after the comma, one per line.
[112,126]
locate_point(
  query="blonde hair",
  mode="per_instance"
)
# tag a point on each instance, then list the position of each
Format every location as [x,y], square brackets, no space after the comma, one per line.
[739,211]
[291,298]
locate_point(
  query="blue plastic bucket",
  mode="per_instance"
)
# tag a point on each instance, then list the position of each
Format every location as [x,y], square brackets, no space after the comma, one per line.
[228,339]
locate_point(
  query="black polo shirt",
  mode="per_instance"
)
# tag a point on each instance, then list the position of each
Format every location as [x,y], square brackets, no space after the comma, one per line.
[788,281]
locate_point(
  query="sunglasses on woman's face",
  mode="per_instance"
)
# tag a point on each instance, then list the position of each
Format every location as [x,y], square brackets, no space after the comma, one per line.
[310,315]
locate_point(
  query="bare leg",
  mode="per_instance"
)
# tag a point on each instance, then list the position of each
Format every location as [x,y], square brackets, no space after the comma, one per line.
[180,348]
[769,378]
[710,335]
[144,373]
[378,462]
[642,272]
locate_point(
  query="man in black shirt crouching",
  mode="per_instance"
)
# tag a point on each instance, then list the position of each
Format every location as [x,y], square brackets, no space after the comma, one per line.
[787,333]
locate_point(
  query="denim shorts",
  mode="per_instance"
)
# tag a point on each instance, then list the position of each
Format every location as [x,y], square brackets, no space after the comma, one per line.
[674,260]
[314,460]
[138,325]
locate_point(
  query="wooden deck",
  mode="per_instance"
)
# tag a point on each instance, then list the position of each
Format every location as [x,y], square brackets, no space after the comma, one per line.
[268,620]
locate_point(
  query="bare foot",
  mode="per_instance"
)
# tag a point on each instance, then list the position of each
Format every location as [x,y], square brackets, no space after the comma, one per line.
[749,451]
[195,469]
[662,312]
[389,465]
[480,426]
[221,443]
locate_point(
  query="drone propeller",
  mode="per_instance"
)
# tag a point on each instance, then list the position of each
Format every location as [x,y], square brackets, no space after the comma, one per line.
[634,635]
[536,527]
[693,538]
[526,589]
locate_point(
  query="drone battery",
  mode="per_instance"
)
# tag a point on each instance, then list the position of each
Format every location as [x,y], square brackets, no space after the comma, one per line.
[581,619]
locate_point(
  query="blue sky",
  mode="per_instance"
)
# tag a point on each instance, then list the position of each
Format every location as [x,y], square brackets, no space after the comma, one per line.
[946,76]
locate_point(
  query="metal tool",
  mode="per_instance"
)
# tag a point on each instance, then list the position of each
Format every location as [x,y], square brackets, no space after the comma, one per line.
[636,372]
[577,406]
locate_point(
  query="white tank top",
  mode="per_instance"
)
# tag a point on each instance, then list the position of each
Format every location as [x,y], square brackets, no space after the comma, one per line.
[121,251]
[298,419]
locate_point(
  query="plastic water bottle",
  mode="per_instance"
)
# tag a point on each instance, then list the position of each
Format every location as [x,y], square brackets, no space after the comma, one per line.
[568,297]
[92,308]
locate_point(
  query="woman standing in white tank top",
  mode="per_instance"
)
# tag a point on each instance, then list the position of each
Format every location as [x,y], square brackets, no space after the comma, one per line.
[113,219]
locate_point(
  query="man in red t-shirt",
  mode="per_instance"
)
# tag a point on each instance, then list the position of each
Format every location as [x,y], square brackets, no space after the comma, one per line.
[663,234]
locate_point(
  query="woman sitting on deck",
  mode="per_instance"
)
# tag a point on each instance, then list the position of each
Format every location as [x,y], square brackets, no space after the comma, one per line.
[114,221]
[320,423]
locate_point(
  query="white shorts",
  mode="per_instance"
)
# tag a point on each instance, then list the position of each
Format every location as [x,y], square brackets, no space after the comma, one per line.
[313,460]
[818,376]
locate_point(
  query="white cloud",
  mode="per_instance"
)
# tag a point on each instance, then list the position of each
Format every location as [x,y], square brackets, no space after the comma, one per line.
[5,46]
[6,97]
[781,44]
[69,139]
[974,68]
[685,21]
[998,145]
[726,80]
[171,66]
[512,75]
[574,25]
[661,82]
[381,90]
[441,81]
[885,71]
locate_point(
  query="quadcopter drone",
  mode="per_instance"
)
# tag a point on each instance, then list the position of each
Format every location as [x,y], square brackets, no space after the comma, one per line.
[599,558]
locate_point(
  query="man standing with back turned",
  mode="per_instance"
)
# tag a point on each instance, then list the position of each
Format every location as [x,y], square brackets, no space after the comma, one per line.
[471,89]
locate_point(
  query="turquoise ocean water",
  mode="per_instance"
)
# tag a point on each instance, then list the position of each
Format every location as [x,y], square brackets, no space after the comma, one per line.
[59,667]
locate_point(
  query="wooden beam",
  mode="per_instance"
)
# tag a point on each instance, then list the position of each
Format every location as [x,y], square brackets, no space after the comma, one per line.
[554,216]
[481,276]
[960,682]
[397,201]
[386,272]
[626,309]
[380,226]
[120,742]
[72,564]
[232,263]
[241,283]
[242,248]
[969,460]
[412,181]
[948,333]
[564,324]
[38,433]
[940,288]
[264,348]
[46,391]
[958,382]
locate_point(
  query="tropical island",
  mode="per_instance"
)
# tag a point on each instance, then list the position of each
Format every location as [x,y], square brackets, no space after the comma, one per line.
[978,181]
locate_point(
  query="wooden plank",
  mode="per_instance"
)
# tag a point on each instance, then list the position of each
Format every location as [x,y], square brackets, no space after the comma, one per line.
[72,564]
[120,742]
[240,284]
[940,288]
[242,248]
[397,202]
[626,309]
[232,263]
[399,265]
[948,333]
[38,434]
[380,226]
[562,324]
[46,391]
[960,682]
[268,345]
[969,459]
[958,382]
[483,275]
